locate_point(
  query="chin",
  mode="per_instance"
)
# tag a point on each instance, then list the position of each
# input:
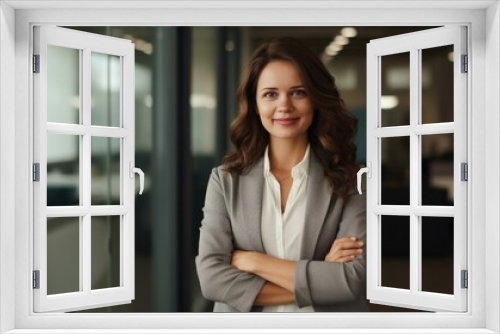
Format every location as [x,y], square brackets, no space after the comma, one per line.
[287,135]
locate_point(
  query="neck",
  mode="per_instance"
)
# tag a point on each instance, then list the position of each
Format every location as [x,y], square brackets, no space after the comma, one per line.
[285,154]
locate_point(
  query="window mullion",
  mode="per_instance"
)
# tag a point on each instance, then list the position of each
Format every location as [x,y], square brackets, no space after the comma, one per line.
[415,268]
[85,162]
[80,130]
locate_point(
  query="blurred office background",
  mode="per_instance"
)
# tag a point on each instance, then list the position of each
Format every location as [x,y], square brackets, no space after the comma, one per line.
[185,83]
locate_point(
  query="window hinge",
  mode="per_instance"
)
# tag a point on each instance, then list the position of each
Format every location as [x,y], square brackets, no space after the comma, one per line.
[464,171]
[36,172]
[36,63]
[465,64]
[465,279]
[36,279]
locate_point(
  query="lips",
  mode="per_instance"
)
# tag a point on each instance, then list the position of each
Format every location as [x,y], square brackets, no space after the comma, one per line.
[286,121]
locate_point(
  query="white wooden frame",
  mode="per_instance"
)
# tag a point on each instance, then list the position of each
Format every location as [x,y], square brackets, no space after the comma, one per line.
[86,43]
[485,101]
[413,43]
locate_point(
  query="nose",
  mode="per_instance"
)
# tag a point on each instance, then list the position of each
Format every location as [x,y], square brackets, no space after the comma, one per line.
[285,103]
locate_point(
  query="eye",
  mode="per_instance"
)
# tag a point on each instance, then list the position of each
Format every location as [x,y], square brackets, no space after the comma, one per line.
[269,95]
[299,93]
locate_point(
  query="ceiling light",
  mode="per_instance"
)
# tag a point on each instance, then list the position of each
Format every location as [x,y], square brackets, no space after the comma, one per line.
[334,47]
[331,52]
[341,40]
[388,101]
[349,32]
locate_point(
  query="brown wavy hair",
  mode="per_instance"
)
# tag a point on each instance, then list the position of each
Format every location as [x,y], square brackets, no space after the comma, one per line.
[331,134]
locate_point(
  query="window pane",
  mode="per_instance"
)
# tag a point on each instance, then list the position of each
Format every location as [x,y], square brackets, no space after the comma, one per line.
[63,168]
[437,169]
[63,85]
[105,171]
[63,255]
[437,84]
[395,232]
[395,171]
[106,82]
[437,254]
[395,90]
[105,234]
[203,98]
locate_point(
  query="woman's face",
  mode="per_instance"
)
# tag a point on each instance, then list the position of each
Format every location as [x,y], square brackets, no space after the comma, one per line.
[284,106]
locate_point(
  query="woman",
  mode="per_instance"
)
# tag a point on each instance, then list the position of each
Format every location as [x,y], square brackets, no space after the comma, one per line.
[284,227]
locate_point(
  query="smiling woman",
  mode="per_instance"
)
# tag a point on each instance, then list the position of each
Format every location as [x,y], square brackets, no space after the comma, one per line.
[284,108]
[283,227]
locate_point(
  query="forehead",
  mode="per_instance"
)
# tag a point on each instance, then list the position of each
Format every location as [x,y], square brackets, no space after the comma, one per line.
[278,73]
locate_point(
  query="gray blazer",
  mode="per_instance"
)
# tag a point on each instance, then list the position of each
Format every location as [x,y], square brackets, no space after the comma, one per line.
[232,220]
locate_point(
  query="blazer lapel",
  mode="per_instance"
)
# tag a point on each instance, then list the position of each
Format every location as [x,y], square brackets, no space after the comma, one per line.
[319,195]
[251,188]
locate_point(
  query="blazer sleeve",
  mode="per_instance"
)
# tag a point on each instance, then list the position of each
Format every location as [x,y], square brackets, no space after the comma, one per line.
[325,283]
[219,280]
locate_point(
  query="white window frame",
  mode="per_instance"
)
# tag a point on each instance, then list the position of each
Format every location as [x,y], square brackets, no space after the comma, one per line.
[16,214]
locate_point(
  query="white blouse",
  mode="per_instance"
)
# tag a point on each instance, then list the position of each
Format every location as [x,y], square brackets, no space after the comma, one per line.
[282,233]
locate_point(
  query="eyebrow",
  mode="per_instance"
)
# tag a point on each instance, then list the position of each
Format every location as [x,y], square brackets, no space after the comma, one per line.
[274,88]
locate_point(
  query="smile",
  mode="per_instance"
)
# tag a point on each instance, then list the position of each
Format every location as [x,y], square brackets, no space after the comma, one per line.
[286,121]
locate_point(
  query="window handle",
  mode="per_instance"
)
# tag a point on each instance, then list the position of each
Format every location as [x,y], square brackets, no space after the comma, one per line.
[141,175]
[368,171]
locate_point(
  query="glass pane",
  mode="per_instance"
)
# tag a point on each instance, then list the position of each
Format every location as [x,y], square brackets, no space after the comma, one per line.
[63,85]
[203,98]
[437,84]
[437,169]
[106,82]
[395,171]
[395,99]
[437,254]
[105,171]
[63,255]
[105,234]
[395,251]
[63,168]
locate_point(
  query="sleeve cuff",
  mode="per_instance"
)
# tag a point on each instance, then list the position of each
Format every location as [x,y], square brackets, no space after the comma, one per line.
[251,292]
[301,284]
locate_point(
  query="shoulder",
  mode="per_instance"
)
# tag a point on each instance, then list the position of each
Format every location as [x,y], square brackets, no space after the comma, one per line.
[222,175]
[223,180]
[253,171]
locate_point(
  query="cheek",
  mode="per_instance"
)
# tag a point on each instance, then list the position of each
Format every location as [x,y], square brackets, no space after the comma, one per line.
[263,111]
[308,111]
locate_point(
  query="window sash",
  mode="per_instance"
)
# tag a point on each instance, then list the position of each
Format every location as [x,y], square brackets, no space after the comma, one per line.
[413,298]
[86,44]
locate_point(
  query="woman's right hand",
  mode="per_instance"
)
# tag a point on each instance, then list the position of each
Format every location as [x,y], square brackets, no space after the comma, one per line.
[344,250]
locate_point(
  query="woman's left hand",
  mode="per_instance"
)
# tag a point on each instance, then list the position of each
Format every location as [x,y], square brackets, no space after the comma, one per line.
[244,260]
[272,269]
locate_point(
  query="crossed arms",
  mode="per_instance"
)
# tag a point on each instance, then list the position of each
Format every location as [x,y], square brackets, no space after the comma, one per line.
[243,279]
[279,274]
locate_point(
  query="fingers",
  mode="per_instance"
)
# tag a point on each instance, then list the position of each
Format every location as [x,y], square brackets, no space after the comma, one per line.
[347,241]
[344,249]
[344,255]
[344,244]
[349,245]
[344,239]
